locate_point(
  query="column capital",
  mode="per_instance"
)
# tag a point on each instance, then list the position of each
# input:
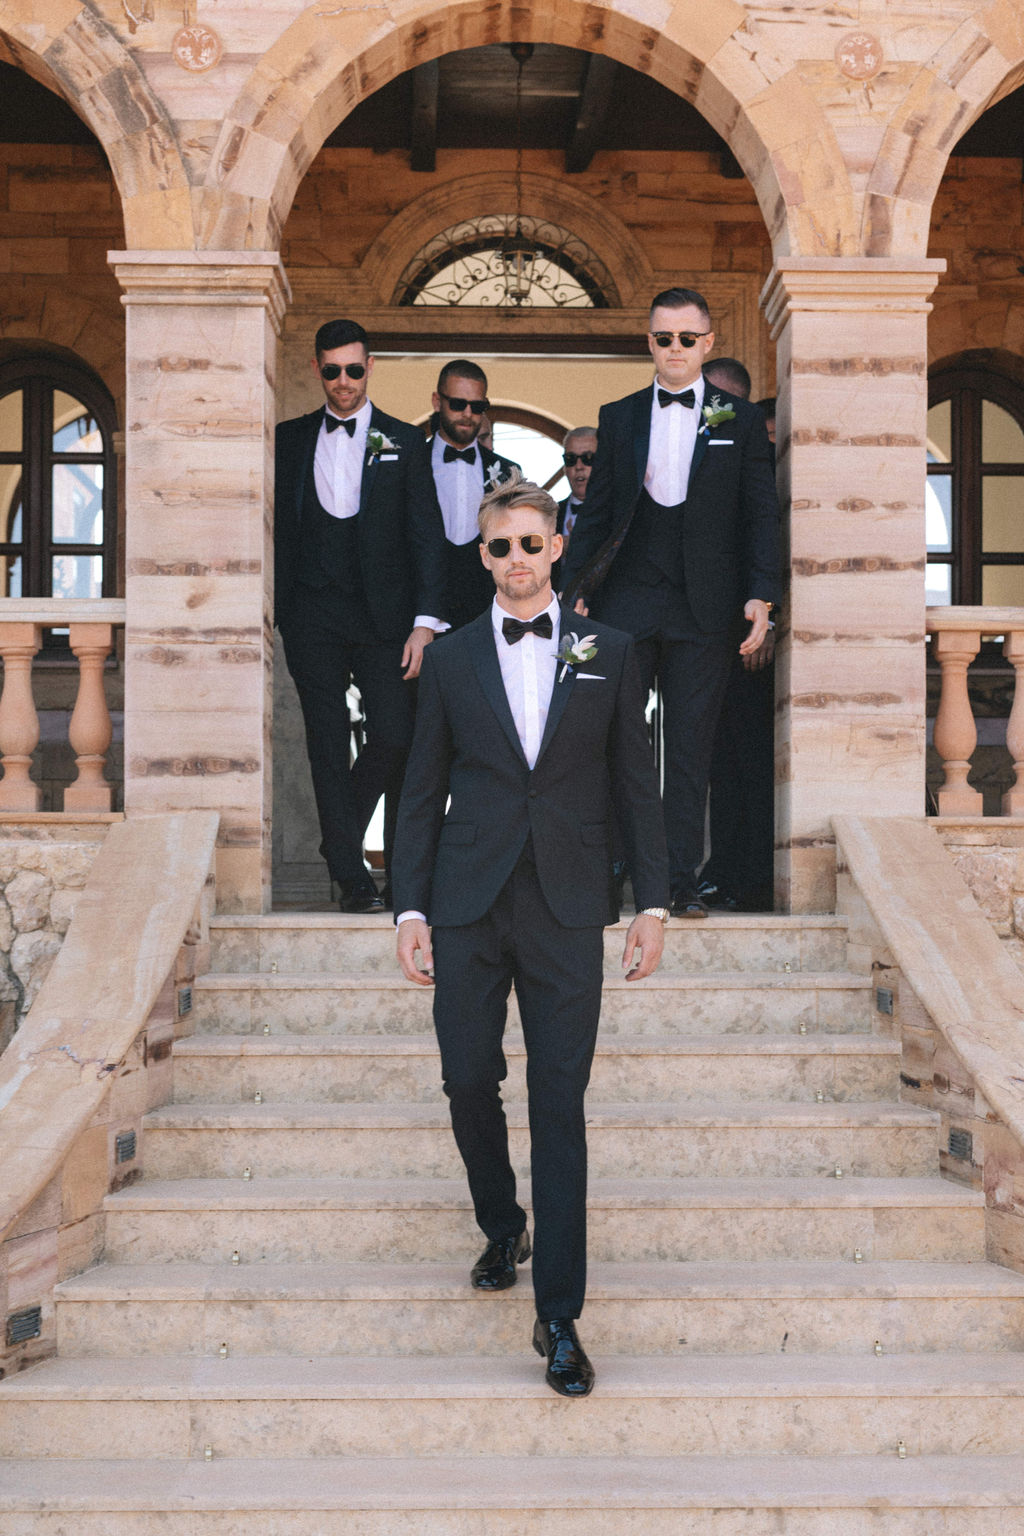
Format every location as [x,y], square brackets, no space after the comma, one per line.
[203,277]
[848,284]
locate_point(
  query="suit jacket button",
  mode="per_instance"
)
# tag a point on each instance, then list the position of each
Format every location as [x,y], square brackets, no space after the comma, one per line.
[533,794]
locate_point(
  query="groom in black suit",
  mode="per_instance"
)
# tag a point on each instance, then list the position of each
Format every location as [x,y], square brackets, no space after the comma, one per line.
[513,875]
[359,586]
[678,543]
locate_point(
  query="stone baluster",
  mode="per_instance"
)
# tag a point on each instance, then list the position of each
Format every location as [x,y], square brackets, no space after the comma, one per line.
[19,723]
[90,729]
[1013,650]
[956,734]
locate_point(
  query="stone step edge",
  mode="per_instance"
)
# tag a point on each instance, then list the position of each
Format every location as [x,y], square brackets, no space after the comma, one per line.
[636,1281]
[515,1483]
[663,981]
[617,1045]
[270,921]
[323,1192]
[343,1378]
[286,1115]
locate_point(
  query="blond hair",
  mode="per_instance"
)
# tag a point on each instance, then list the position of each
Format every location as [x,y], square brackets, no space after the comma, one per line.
[513,492]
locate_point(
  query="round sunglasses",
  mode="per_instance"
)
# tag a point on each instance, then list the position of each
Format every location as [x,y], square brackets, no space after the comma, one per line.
[685,338]
[529,543]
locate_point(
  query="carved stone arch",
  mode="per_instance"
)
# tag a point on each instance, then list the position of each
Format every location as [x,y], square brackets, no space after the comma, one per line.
[73,52]
[546,197]
[712,54]
[978,64]
[68,326]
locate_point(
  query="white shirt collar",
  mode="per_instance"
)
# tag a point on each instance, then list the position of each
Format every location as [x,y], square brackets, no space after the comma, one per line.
[361,417]
[697,386]
[498,613]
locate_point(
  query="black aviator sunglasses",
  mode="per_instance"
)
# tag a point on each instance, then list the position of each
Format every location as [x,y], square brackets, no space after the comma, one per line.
[332,371]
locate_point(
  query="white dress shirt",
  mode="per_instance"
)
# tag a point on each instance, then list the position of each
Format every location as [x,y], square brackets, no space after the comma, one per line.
[338,463]
[528,673]
[672,441]
[460,490]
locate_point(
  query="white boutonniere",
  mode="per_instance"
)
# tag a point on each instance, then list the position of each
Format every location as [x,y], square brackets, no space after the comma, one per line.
[496,479]
[379,446]
[573,651]
[715,413]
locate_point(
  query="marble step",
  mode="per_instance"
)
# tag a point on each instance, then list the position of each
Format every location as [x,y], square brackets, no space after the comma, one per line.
[627,1068]
[624,1140]
[408,1220]
[680,1405]
[737,1002]
[704,1307]
[719,1495]
[329,941]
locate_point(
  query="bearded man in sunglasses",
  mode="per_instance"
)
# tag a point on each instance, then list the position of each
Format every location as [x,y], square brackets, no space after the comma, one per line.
[360,591]
[678,544]
[462,468]
[503,875]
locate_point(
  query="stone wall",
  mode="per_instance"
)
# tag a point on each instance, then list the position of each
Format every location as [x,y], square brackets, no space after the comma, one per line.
[989,853]
[43,867]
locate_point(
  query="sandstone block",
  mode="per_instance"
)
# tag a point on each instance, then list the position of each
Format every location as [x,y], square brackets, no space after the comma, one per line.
[28,899]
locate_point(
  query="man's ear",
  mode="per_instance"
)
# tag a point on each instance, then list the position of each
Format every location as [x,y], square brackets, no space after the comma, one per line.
[557,546]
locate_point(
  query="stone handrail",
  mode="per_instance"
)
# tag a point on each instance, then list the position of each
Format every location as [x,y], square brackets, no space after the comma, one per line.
[91,622]
[958,1002]
[141,900]
[957,634]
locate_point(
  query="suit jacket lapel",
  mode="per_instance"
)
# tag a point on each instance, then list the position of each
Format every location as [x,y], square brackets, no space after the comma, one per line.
[563,686]
[488,671]
[642,433]
[700,448]
[369,466]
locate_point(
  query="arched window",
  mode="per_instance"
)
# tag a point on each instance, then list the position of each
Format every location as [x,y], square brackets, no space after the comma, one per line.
[57,480]
[974,524]
[497,262]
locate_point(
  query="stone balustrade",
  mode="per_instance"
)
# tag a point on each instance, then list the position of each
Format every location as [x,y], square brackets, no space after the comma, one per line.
[957,634]
[91,623]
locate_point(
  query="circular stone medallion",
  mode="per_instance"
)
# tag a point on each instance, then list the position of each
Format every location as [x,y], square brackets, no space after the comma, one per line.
[859,55]
[197,48]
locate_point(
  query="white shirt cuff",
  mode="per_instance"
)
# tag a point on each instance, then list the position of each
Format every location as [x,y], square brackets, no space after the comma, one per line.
[424,621]
[406,916]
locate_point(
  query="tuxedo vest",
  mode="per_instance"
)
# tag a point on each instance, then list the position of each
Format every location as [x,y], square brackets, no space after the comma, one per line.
[329,559]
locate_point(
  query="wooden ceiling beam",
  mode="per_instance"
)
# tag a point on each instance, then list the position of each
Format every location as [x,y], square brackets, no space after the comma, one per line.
[595,99]
[423,133]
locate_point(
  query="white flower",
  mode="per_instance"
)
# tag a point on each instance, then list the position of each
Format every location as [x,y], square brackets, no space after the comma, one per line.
[573,651]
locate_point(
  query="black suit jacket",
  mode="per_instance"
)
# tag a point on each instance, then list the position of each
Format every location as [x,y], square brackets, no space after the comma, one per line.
[731,517]
[451,864]
[401,534]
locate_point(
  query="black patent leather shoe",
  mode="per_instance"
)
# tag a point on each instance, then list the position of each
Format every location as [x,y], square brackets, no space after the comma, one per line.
[495,1269]
[569,1371]
[688,904]
[358,898]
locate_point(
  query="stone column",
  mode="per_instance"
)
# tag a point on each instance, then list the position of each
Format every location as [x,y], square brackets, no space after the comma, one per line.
[853,396]
[202,331]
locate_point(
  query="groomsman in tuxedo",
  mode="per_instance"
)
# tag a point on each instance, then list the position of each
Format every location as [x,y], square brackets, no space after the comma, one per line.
[462,468]
[360,581]
[503,847]
[678,544]
[578,449]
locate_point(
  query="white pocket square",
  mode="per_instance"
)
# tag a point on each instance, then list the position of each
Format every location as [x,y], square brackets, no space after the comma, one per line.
[597,677]
[721,442]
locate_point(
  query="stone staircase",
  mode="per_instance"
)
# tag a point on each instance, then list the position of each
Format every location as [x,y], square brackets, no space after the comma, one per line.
[282,1336]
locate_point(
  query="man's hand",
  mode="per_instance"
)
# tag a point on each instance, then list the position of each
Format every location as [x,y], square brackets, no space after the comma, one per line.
[414,935]
[763,657]
[412,655]
[646,934]
[581,607]
[756,614]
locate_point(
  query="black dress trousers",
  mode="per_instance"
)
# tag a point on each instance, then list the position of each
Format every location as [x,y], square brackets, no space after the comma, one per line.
[557,975]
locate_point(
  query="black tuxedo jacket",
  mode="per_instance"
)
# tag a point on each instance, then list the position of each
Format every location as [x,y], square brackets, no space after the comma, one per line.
[451,864]
[401,534]
[731,515]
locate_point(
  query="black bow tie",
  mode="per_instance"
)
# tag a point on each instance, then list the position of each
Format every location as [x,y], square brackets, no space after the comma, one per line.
[332,423]
[515,629]
[467,455]
[687,398]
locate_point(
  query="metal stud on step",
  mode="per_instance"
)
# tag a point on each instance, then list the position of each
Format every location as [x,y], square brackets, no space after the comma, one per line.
[803,1027]
[858,1257]
[273,967]
[819,1097]
[246,1173]
[878,1346]
[839,1171]
[223,1351]
[266,1029]
[901,1450]
[788,968]
[235,1257]
[207,1452]
[258,1099]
